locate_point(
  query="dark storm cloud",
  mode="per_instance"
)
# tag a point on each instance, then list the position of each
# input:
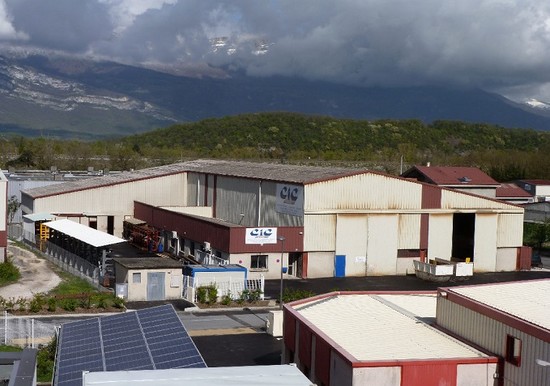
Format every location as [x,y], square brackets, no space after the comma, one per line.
[495,44]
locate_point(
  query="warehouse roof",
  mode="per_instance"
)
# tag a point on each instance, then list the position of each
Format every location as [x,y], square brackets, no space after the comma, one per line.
[372,327]
[84,233]
[147,262]
[451,176]
[525,300]
[511,190]
[254,170]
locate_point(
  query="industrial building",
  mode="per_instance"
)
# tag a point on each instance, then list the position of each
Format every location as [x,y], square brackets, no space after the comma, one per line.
[315,221]
[383,339]
[510,320]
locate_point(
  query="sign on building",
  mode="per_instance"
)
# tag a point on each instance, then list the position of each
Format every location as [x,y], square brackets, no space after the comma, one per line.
[261,236]
[290,199]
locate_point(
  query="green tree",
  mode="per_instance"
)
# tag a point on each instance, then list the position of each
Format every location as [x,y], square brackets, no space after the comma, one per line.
[13,207]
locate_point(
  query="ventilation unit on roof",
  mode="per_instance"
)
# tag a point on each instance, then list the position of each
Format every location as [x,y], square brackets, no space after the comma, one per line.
[206,246]
[465,179]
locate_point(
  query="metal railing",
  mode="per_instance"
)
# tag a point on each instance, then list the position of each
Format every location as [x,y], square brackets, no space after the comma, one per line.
[24,331]
[64,259]
[232,287]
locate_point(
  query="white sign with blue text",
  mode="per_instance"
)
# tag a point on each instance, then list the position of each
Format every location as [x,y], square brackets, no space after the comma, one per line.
[261,236]
[290,199]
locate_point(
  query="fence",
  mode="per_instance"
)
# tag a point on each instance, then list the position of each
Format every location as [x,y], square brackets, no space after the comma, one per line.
[25,332]
[64,259]
[225,286]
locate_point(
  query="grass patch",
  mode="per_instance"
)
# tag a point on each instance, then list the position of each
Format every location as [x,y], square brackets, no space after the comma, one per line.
[5,348]
[9,273]
[72,285]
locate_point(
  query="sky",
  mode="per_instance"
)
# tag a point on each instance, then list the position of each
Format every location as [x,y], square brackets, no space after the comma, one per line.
[496,45]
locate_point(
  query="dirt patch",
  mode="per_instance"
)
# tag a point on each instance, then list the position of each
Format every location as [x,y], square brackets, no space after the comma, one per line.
[36,275]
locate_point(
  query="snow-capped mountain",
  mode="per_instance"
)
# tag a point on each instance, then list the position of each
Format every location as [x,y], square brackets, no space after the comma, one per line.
[532,102]
[85,98]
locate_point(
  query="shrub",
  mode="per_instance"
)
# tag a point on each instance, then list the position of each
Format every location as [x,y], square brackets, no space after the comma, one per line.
[9,273]
[202,295]
[86,301]
[52,304]
[37,303]
[289,294]
[45,361]
[68,304]
[212,293]
[255,295]
[118,302]
[226,299]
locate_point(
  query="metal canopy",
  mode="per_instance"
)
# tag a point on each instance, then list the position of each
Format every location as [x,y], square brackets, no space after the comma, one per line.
[148,339]
[39,216]
[84,233]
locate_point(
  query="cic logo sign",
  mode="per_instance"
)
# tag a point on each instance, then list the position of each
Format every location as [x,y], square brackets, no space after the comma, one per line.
[289,194]
[261,236]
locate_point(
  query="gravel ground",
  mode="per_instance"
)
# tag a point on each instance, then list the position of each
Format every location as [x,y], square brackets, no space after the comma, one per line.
[36,275]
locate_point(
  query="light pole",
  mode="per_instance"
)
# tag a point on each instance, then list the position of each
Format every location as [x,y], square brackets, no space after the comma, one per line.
[282,239]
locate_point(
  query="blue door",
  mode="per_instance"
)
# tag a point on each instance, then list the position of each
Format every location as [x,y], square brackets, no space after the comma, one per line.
[340,266]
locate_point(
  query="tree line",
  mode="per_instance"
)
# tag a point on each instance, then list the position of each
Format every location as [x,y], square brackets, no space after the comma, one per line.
[387,145]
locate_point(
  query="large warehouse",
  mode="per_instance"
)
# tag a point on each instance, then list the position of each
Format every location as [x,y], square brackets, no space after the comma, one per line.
[323,221]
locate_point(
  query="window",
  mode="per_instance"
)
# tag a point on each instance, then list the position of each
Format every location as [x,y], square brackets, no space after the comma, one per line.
[136,277]
[258,262]
[513,350]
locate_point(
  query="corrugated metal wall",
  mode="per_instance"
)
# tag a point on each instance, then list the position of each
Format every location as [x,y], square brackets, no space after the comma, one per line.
[455,200]
[235,196]
[510,230]
[320,232]
[351,241]
[485,242]
[119,198]
[269,215]
[15,187]
[440,236]
[382,244]
[491,334]
[409,231]
[368,191]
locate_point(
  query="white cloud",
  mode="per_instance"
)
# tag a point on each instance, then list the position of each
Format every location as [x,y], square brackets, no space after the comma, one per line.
[7,31]
[492,44]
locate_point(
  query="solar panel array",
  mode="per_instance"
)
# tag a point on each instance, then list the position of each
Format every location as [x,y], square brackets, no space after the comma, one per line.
[153,338]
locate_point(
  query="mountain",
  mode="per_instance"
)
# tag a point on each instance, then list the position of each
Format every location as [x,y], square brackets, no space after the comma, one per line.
[82,98]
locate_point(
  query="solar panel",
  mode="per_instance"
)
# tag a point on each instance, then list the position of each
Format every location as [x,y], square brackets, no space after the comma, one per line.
[153,338]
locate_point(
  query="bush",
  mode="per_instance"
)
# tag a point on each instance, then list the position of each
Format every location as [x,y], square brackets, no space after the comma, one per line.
[118,302]
[9,273]
[226,299]
[68,304]
[45,361]
[202,295]
[212,293]
[37,303]
[52,304]
[290,295]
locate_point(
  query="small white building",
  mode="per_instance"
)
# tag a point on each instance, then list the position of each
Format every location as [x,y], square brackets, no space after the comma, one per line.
[148,279]
[511,320]
[341,339]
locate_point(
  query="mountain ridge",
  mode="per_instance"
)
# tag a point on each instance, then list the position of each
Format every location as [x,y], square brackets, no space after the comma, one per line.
[84,98]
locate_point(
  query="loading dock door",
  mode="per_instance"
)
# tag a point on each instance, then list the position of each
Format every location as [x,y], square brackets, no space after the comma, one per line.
[155,285]
[463,235]
[340,266]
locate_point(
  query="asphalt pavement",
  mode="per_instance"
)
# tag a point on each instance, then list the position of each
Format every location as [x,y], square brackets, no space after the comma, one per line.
[394,283]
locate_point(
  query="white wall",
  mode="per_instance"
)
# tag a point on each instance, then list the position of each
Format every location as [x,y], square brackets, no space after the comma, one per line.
[379,376]
[382,244]
[440,236]
[506,259]
[476,374]
[320,264]
[485,243]
[351,241]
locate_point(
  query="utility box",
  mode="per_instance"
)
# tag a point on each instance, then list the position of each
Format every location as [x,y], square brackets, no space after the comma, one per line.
[274,323]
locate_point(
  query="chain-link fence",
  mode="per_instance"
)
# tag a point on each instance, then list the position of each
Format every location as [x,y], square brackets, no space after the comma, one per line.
[64,259]
[24,331]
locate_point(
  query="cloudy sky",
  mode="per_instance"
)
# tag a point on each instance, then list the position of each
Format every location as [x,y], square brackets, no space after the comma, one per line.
[500,45]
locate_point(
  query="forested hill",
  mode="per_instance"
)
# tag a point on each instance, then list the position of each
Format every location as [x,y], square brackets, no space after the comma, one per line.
[504,153]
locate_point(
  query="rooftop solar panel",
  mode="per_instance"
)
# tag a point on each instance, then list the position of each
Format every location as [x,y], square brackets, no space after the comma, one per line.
[149,339]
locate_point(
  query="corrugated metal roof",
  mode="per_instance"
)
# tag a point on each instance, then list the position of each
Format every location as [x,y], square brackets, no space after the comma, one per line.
[526,300]
[287,375]
[511,190]
[84,233]
[255,170]
[39,216]
[454,175]
[384,328]
[147,262]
